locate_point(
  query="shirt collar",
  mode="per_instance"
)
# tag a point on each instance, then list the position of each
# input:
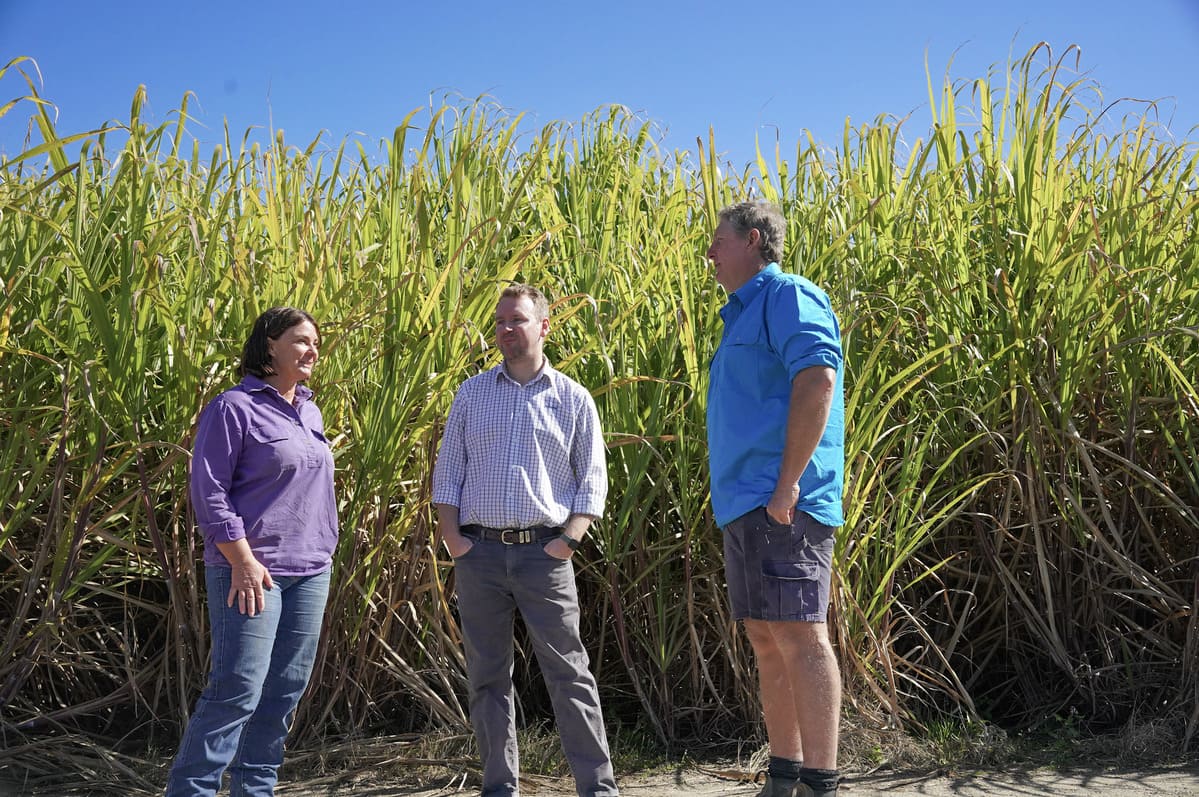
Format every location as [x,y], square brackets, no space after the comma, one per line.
[255,384]
[547,372]
[750,290]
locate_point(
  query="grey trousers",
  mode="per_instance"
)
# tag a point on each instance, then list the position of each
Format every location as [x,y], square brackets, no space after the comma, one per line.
[493,582]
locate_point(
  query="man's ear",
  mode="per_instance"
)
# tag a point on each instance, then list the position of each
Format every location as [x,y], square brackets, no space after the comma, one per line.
[754,236]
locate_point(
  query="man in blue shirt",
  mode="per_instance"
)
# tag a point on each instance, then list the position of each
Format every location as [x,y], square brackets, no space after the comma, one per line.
[776,455]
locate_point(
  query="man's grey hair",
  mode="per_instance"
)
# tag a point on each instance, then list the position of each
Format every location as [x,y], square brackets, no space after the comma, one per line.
[764,217]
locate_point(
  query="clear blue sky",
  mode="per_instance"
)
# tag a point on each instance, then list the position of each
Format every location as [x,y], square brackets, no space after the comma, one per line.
[768,68]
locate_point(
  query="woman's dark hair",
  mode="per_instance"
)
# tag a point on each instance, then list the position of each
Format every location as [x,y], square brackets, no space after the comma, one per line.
[256,357]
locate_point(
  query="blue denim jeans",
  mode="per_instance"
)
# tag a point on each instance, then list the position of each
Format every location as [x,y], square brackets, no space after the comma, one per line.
[493,582]
[259,670]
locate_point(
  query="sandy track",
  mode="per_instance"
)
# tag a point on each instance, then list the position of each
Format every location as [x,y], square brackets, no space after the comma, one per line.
[692,782]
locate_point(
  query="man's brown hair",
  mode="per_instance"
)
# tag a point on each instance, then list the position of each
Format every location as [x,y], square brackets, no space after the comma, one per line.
[540,304]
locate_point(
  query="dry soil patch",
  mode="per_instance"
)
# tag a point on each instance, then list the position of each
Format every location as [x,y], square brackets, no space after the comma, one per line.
[696,782]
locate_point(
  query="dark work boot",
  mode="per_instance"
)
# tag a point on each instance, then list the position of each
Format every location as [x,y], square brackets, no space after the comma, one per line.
[780,787]
[804,790]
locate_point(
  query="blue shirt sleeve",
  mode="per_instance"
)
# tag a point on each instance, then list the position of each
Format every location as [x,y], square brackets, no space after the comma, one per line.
[801,327]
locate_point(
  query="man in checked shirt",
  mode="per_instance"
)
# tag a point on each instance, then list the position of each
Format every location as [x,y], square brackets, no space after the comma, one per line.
[520,477]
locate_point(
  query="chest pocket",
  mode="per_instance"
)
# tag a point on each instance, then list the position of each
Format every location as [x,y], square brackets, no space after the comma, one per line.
[271,433]
[746,359]
[289,445]
[548,428]
[320,451]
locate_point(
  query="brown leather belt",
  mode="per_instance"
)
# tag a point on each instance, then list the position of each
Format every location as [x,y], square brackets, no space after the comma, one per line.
[512,536]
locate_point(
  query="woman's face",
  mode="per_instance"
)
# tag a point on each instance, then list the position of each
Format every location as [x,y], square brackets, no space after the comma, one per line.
[294,353]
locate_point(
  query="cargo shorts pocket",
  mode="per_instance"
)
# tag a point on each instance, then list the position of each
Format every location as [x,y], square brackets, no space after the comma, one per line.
[790,590]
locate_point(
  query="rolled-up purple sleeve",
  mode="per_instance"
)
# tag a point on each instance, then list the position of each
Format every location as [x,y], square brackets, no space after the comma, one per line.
[214,458]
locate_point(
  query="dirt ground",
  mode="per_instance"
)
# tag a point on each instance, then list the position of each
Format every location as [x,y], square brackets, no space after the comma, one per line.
[697,782]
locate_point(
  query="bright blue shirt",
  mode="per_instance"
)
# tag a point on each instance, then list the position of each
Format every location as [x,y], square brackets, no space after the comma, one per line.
[775,326]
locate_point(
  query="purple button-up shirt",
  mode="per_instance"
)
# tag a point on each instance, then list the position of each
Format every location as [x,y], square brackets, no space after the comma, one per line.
[262,470]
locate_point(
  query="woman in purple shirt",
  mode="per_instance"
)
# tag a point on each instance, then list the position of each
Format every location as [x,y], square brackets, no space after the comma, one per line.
[262,492]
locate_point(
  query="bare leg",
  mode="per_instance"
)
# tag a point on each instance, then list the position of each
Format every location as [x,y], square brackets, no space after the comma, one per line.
[801,690]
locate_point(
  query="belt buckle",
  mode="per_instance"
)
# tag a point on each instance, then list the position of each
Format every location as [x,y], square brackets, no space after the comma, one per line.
[522,536]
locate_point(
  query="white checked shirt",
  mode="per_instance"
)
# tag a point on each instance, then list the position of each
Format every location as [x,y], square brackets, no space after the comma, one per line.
[515,456]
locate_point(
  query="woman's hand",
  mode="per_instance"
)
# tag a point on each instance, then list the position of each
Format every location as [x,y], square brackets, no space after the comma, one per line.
[250,580]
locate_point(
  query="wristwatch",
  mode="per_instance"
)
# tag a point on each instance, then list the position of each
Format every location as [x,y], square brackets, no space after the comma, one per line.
[570,541]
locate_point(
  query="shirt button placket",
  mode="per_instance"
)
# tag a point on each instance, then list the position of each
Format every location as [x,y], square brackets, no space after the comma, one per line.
[513,451]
